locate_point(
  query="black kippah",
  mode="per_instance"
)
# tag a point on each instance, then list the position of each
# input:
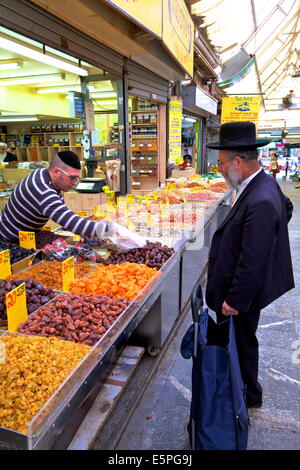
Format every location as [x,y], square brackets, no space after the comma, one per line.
[70,159]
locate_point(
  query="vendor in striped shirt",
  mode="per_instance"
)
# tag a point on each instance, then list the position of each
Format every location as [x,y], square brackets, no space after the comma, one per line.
[38,198]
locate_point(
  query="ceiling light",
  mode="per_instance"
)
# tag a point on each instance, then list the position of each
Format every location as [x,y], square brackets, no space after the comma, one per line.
[39,56]
[18,118]
[104,94]
[11,64]
[27,79]
[61,89]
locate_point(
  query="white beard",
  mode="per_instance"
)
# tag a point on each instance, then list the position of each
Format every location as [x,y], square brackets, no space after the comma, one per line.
[233,178]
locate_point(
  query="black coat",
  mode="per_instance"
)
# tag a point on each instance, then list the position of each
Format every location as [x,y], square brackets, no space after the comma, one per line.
[250,261]
[10,157]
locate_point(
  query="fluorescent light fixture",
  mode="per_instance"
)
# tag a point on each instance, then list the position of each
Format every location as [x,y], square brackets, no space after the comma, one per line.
[10,64]
[27,79]
[61,89]
[39,56]
[104,94]
[18,118]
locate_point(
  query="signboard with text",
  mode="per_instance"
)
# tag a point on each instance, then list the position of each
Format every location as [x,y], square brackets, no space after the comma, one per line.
[240,108]
[175,125]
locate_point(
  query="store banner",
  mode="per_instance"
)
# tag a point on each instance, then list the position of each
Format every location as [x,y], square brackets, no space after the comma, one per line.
[178,33]
[146,13]
[240,108]
[175,129]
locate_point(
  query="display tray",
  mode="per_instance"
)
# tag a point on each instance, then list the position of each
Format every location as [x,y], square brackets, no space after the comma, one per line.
[48,423]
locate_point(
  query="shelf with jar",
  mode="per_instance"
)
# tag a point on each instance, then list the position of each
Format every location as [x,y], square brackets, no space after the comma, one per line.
[33,146]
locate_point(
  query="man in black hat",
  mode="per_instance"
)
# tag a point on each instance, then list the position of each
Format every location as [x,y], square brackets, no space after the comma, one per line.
[38,198]
[249,261]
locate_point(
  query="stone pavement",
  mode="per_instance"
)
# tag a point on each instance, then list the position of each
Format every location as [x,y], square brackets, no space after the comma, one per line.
[151,413]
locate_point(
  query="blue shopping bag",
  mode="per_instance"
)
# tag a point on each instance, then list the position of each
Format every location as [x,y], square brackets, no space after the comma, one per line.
[218,415]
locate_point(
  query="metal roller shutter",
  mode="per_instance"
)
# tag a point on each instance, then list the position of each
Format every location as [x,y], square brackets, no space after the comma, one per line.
[24,17]
[146,84]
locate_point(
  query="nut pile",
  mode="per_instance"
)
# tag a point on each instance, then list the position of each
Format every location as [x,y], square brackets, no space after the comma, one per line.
[82,319]
[153,255]
[49,273]
[32,369]
[121,280]
[36,296]
[16,252]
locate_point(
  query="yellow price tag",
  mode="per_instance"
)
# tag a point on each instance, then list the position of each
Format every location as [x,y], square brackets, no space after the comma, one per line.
[105,189]
[184,198]
[5,268]
[27,240]
[67,273]
[82,213]
[163,210]
[130,198]
[167,202]
[195,189]
[76,238]
[130,225]
[16,307]
[46,228]
[149,219]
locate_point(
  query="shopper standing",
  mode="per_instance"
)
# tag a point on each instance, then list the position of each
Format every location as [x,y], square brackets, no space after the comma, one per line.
[249,261]
[274,166]
[6,156]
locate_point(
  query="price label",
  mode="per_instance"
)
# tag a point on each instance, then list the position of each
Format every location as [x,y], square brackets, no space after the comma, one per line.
[82,213]
[46,228]
[67,273]
[195,189]
[76,238]
[167,202]
[130,225]
[5,268]
[149,219]
[16,307]
[184,198]
[163,210]
[130,198]
[27,240]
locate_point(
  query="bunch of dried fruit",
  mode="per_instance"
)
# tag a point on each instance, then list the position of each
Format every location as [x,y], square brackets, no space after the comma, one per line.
[36,296]
[32,371]
[82,319]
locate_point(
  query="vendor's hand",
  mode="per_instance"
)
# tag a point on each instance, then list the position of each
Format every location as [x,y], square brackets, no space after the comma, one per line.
[124,237]
[227,310]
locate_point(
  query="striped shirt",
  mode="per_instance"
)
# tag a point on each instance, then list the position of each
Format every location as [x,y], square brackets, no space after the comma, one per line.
[33,202]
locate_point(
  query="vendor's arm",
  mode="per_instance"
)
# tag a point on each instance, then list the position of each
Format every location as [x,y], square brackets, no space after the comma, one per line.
[55,209]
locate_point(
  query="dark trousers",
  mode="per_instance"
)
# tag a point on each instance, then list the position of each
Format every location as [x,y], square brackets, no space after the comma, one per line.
[245,324]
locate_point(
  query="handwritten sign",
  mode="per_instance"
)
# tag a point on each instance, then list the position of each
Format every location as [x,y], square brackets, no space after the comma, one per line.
[46,228]
[16,307]
[27,240]
[5,268]
[67,273]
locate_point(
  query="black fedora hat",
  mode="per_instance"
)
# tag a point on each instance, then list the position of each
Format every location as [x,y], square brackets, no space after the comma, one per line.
[238,135]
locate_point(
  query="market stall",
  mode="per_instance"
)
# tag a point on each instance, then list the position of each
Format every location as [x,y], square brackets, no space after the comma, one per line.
[115,296]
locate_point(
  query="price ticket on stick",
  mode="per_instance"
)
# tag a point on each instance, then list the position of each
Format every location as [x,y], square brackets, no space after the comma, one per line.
[130,198]
[16,307]
[5,268]
[46,228]
[68,273]
[27,240]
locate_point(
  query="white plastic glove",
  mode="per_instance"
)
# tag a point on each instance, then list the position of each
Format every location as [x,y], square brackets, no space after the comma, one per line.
[123,237]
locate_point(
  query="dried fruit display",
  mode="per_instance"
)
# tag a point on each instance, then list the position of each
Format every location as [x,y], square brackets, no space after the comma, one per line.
[202,196]
[121,280]
[82,319]
[153,255]
[16,252]
[219,187]
[33,369]
[36,296]
[60,250]
[44,237]
[49,273]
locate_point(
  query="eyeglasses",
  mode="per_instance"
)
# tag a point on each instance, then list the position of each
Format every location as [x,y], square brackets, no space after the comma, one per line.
[72,177]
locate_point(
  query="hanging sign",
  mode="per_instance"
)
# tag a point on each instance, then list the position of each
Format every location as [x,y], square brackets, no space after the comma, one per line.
[240,108]
[67,273]
[5,268]
[175,125]
[16,307]
[27,240]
